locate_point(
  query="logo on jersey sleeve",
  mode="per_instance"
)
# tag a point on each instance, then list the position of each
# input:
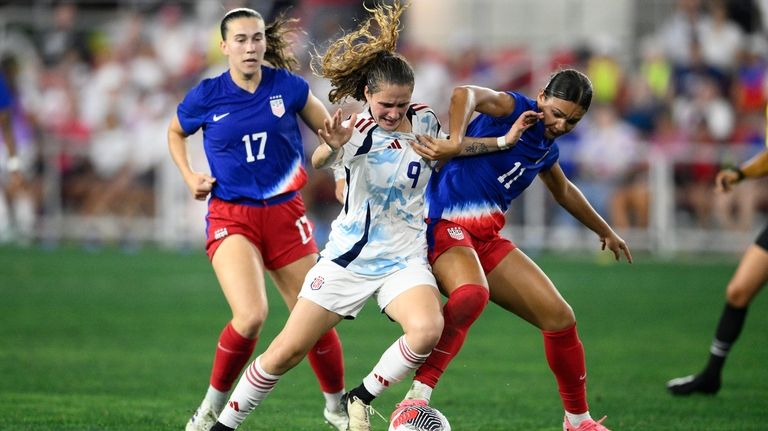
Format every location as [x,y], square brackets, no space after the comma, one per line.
[277,105]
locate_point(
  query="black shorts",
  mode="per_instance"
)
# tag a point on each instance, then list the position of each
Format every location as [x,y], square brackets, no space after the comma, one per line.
[762,239]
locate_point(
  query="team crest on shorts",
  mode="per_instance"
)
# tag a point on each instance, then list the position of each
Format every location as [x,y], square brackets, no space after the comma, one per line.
[317,283]
[276,103]
[456,233]
[220,233]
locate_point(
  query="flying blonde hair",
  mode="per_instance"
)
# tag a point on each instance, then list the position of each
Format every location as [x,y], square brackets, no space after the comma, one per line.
[367,56]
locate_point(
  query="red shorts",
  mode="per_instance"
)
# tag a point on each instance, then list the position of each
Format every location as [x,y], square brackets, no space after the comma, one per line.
[444,234]
[281,232]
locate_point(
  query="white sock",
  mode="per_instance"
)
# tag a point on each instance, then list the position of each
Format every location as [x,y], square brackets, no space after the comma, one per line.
[24,215]
[252,388]
[333,400]
[577,419]
[215,399]
[395,364]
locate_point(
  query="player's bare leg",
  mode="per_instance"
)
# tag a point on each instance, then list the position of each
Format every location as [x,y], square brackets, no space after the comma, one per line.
[749,278]
[518,285]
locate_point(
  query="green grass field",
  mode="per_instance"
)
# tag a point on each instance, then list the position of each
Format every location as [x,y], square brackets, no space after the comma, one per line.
[109,341]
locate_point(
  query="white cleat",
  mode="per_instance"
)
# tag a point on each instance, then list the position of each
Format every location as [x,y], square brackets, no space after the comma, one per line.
[203,420]
[419,392]
[337,418]
[359,414]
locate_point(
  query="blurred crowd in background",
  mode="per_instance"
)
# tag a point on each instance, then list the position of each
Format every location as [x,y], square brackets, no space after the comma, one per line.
[95,84]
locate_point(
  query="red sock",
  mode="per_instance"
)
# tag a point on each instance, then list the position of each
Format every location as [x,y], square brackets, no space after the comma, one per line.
[463,307]
[232,352]
[327,360]
[565,355]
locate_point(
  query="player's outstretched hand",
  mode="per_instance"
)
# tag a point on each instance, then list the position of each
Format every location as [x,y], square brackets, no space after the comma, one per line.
[435,149]
[617,245]
[200,185]
[725,180]
[334,133]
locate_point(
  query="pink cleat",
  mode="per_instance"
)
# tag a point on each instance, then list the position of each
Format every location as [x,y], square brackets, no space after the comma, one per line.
[587,425]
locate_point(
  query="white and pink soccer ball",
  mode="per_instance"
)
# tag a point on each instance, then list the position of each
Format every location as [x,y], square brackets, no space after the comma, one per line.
[418,417]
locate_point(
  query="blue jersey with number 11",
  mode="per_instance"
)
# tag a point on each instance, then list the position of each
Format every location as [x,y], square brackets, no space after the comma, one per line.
[476,191]
[252,141]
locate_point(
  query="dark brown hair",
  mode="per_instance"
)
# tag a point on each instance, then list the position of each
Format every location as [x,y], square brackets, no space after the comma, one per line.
[278,52]
[570,85]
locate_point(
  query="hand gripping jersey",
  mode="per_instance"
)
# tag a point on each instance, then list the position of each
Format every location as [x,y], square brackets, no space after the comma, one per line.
[381,227]
[476,191]
[252,141]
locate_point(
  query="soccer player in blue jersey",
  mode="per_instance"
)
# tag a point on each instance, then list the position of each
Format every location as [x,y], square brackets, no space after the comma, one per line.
[256,220]
[377,246]
[750,276]
[467,200]
[13,182]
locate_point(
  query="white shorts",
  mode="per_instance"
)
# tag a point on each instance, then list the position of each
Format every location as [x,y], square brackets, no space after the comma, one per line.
[337,289]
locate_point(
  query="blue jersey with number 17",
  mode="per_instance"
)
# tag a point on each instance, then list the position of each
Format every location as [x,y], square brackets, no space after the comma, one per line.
[252,141]
[476,191]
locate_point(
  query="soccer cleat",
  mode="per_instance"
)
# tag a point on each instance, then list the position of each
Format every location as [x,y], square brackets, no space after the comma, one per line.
[692,384]
[358,412]
[203,420]
[419,391]
[586,425]
[359,415]
[337,418]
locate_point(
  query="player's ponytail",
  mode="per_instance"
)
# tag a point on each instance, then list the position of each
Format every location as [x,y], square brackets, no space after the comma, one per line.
[366,56]
[279,51]
[570,85]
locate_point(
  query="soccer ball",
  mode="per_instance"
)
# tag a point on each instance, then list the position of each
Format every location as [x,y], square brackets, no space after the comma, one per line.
[418,418]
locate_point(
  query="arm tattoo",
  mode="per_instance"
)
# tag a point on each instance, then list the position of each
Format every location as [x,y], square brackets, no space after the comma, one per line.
[475,147]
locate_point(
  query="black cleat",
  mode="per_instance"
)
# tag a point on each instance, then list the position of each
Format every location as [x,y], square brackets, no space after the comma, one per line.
[693,384]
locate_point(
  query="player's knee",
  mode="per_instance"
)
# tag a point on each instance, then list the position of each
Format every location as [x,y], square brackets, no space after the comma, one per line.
[558,318]
[281,357]
[738,295]
[466,304]
[249,324]
[423,333]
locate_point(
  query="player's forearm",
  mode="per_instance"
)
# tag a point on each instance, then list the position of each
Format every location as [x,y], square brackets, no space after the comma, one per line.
[579,207]
[756,167]
[324,156]
[471,146]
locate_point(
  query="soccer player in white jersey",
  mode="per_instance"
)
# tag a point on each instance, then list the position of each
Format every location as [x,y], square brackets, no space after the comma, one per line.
[256,221]
[377,246]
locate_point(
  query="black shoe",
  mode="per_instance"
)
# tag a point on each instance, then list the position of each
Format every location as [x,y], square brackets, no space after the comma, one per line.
[221,427]
[693,384]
